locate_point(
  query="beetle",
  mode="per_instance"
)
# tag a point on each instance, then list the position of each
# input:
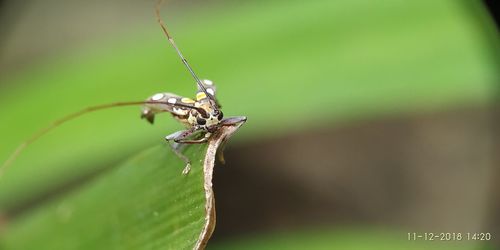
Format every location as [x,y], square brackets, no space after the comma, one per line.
[202,116]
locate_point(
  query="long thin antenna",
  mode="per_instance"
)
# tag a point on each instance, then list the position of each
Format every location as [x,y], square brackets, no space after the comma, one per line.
[183,59]
[72,116]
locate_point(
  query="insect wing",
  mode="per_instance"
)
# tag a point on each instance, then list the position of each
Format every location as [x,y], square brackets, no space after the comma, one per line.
[211,90]
[168,102]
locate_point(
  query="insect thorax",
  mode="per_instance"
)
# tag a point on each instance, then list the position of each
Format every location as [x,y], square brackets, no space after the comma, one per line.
[197,119]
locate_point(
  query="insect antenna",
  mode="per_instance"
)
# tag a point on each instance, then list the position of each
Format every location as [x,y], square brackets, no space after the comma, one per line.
[183,59]
[72,116]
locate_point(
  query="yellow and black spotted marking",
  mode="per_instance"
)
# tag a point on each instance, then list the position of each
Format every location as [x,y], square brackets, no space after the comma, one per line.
[188,111]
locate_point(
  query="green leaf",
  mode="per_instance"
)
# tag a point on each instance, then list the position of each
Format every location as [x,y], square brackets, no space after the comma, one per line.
[143,203]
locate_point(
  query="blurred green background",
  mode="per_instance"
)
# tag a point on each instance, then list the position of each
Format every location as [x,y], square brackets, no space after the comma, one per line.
[367,119]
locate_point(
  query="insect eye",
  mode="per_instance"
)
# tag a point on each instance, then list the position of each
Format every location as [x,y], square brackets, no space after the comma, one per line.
[201,121]
[220,116]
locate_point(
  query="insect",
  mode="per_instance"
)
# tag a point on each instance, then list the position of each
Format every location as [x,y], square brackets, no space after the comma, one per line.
[202,116]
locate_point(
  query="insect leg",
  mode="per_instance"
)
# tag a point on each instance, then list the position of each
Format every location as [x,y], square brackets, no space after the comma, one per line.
[197,141]
[230,121]
[220,153]
[174,140]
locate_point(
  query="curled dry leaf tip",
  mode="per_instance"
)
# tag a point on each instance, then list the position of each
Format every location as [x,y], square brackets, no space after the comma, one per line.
[216,143]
